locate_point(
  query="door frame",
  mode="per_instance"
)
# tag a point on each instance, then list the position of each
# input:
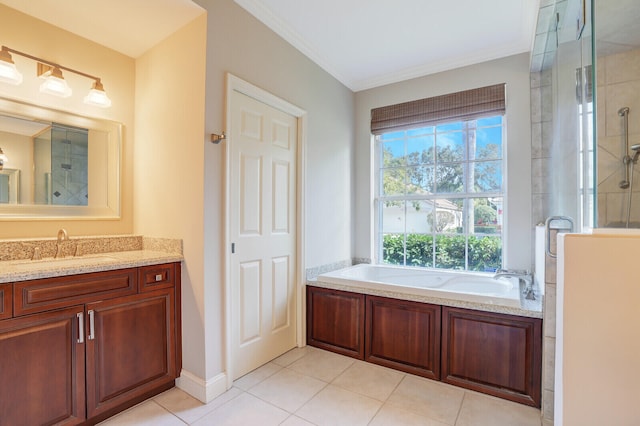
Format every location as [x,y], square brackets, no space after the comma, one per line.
[234,83]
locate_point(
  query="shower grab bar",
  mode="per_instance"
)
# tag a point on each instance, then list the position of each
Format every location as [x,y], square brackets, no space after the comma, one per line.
[626,159]
[548,228]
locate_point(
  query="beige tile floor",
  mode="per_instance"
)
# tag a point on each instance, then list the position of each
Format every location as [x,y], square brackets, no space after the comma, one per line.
[309,386]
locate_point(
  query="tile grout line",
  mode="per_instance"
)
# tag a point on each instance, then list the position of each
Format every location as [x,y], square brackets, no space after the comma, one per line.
[216,408]
[294,371]
[464,395]
[169,411]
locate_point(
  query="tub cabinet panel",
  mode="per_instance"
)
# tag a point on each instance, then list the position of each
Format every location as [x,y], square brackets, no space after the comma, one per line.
[42,369]
[403,335]
[492,353]
[335,321]
[83,356]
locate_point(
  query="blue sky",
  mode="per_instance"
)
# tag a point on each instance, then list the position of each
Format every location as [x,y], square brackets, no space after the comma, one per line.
[447,135]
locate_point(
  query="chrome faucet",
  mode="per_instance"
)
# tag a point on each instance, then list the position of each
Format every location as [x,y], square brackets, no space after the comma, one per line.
[62,237]
[523,276]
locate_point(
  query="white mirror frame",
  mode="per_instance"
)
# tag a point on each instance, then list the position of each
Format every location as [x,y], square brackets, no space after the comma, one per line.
[14,212]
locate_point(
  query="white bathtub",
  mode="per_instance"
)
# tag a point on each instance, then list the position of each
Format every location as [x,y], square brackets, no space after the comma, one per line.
[447,285]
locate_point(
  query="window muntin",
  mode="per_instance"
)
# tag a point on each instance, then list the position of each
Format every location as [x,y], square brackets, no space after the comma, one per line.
[440,195]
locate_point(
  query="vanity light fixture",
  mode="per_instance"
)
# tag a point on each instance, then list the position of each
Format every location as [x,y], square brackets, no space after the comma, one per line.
[54,82]
[3,159]
[8,71]
[97,96]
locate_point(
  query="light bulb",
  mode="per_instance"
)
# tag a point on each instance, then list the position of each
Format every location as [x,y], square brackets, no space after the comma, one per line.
[8,71]
[97,96]
[55,84]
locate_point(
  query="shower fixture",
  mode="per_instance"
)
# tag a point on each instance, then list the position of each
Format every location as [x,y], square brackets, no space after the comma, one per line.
[628,162]
[635,148]
[626,159]
[631,164]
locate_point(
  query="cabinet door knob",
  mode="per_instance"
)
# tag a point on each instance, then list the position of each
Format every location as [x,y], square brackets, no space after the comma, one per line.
[159,277]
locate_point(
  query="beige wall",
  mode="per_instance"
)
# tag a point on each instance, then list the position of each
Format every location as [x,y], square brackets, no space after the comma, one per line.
[169,169]
[35,37]
[240,44]
[514,71]
[598,338]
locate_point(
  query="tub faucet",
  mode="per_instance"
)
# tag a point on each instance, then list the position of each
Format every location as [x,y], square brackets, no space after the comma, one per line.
[62,237]
[523,276]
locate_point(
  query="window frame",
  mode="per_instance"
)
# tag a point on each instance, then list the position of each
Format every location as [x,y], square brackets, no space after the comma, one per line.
[467,196]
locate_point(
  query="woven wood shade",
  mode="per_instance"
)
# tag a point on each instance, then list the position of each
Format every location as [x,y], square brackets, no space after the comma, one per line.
[459,106]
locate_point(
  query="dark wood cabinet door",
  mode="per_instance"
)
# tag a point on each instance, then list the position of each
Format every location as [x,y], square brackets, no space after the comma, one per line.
[131,350]
[335,321]
[403,335]
[6,301]
[42,369]
[493,353]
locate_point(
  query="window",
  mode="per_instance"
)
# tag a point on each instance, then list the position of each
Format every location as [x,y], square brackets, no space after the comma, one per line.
[440,192]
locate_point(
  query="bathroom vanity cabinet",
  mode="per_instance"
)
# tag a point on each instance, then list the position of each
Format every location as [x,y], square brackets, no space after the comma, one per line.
[493,353]
[78,349]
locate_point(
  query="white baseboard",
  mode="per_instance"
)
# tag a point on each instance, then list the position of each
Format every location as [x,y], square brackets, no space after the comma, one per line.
[203,390]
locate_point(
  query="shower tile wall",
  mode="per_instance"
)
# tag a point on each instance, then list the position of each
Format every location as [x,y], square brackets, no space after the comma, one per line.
[69,168]
[618,85]
[541,137]
[541,134]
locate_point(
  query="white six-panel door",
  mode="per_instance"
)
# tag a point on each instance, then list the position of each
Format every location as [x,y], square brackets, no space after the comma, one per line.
[262,173]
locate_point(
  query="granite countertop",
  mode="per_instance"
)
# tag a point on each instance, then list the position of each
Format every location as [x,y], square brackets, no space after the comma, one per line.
[527,308]
[98,254]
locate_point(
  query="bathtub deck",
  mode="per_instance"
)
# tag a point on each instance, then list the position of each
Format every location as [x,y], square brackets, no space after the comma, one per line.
[517,305]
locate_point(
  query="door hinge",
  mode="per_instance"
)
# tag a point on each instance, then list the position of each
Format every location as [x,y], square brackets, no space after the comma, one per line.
[233,248]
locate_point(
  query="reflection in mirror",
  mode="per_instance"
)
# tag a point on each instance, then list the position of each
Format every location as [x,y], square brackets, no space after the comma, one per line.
[9,186]
[65,165]
[60,159]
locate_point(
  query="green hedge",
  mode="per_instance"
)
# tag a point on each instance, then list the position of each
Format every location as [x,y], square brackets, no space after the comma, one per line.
[485,253]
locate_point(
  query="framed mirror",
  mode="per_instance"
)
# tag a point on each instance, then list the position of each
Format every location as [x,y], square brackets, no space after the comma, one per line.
[58,164]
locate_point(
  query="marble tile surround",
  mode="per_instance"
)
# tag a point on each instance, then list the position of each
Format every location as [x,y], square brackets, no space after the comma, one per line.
[541,181]
[541,139]
[312,273]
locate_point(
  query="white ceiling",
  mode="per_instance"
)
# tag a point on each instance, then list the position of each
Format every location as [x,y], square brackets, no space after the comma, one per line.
[362,43]
[369,43]
[130,27]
